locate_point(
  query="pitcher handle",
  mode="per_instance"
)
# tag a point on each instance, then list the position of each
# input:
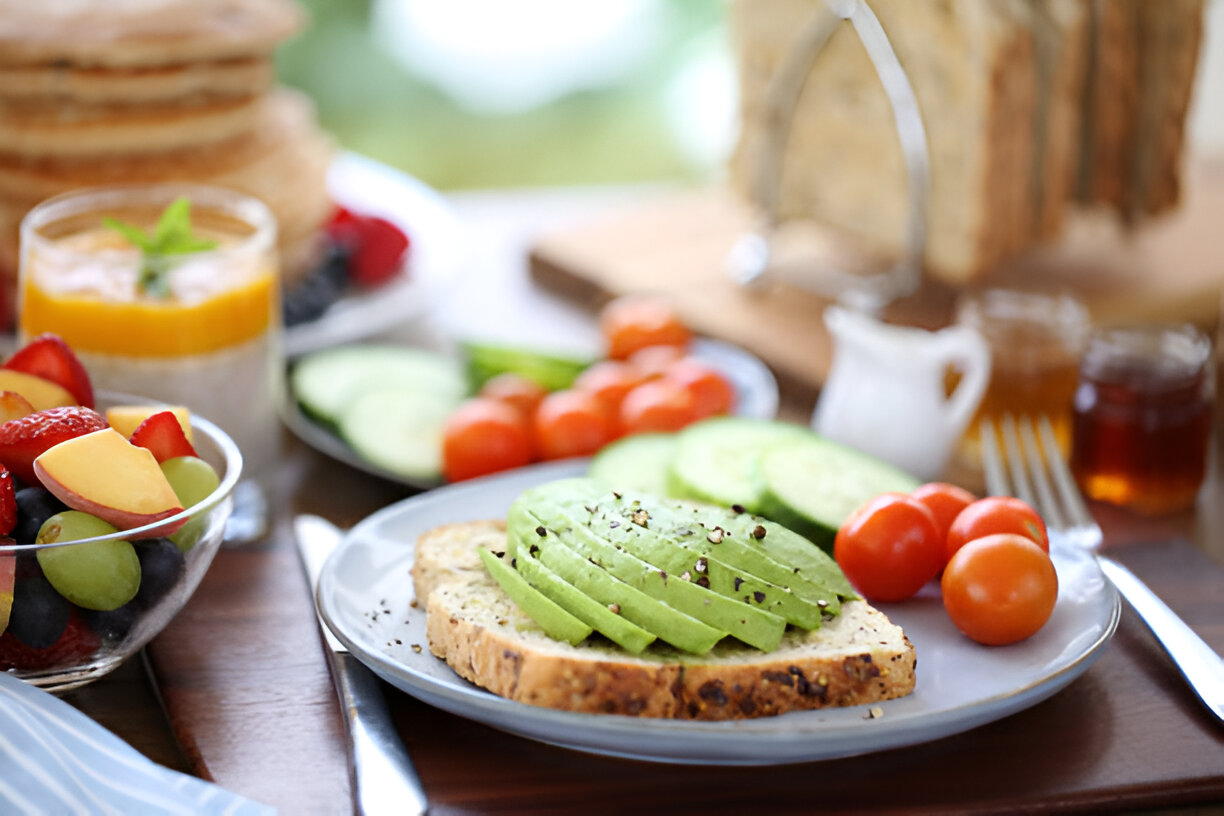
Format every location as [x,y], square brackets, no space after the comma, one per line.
[966,348]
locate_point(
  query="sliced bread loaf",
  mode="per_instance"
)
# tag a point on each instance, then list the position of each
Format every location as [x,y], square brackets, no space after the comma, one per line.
[856,657]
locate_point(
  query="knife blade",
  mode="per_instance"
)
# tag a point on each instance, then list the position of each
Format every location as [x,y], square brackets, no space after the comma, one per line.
[384,780]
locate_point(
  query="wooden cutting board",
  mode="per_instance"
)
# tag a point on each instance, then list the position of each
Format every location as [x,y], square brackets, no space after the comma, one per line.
[1169,269]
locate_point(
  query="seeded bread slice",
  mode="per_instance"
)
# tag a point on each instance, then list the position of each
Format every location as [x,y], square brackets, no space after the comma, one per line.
[858,657]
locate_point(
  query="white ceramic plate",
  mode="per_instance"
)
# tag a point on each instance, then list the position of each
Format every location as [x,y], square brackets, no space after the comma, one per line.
[755,388]
[365,593]
[372,188]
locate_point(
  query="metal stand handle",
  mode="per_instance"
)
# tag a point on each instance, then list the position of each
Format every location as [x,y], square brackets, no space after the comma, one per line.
[750,258]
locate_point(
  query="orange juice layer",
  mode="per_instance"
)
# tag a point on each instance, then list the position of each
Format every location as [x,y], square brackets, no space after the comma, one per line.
[151,328]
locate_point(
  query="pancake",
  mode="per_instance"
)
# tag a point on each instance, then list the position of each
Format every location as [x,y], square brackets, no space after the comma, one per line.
[141,33]
[107,130]
[63,83]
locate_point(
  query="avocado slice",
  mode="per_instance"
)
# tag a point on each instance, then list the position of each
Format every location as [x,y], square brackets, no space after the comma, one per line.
[552,618]
[620,631]
[752,625]
[668,624]
[675,548]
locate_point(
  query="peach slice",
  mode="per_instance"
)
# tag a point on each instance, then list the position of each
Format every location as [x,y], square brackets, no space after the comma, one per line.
[13,406]
[38,392]
[103,474]
[8,578]
[127,418]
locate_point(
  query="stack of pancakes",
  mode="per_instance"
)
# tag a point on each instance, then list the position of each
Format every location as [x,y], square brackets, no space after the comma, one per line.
[99,92]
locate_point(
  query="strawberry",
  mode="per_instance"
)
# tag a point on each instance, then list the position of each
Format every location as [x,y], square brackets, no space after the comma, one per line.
[49,357]
[376,246]
[24,439]
[162,434]
[8,502]
[76,643]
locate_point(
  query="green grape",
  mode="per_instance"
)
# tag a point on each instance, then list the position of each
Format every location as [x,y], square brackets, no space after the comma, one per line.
[101,575]
[192,478]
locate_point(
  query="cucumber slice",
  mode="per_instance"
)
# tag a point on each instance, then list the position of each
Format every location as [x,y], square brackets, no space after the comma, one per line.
[812,485]
[637,463]
[716,459]
[326,382]
[398,429]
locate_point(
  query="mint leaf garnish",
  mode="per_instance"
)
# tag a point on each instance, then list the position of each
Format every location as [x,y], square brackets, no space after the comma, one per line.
[172,235]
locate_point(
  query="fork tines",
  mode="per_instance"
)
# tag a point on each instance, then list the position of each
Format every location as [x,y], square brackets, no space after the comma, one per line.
[1031,468]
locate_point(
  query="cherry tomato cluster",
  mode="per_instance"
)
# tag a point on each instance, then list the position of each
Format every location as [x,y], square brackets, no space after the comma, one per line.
[998,583]
[648,381]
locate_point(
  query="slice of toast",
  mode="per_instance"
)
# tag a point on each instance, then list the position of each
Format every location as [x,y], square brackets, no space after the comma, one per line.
[857,657]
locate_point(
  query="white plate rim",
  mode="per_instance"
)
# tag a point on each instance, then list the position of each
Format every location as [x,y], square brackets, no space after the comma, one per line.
[755,386]
[790,738]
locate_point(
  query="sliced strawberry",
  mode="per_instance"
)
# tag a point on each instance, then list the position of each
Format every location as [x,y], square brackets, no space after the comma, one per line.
[376,246]
[162,434]
[49,357]
[8,502]
[76,643]
[13,405]
[24,439]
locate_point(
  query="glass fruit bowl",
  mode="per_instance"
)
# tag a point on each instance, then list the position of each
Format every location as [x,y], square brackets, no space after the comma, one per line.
[64,604]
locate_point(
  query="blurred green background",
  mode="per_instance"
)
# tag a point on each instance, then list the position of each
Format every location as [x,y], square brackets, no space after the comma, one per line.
[479,93]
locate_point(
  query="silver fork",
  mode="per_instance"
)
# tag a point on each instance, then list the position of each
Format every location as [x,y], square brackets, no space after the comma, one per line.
[1034,470]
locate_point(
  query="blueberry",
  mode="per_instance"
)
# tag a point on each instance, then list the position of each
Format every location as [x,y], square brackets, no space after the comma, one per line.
[161,566]
[39,613]
[34,506]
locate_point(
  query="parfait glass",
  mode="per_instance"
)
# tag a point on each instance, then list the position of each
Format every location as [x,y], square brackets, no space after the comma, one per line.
[198,328]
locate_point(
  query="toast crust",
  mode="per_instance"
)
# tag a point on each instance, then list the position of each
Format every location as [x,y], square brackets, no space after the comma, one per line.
[858,657]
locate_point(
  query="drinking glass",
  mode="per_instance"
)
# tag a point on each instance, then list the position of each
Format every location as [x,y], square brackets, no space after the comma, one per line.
[207,336]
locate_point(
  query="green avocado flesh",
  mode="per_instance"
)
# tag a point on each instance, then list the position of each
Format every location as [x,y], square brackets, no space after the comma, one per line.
[637,568]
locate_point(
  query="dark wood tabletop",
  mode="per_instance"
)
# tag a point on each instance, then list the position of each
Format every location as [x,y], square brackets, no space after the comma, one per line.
[236,689]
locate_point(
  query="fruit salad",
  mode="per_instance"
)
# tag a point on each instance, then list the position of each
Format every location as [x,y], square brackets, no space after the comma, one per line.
[169,292]
[94,539]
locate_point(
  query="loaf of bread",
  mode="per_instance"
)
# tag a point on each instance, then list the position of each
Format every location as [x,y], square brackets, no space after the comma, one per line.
[857,657]
[1029,107]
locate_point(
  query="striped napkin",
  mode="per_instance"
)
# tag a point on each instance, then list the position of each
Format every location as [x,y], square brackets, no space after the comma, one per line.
[54,759]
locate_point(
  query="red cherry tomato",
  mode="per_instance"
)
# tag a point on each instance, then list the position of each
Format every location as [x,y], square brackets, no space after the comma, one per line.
[610,380]
[633,322]
[484,436]
[514,389]
[945,501]
[713,394]
[657,405]
[997,514]
[889,548]
[572,423]
[1000,588]
[653,362]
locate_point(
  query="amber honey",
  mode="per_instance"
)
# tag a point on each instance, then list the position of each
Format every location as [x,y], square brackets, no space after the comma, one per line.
[1142,418]
[1036,340]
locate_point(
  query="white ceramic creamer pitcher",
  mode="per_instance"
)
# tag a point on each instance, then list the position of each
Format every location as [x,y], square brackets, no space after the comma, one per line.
[886,393]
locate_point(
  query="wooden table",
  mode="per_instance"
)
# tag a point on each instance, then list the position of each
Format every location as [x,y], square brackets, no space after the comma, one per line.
[248,701]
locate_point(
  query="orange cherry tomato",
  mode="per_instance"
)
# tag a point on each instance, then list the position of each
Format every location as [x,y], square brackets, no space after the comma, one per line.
[889,548]
[997,514]
[657,405]
[610,380]
[633,322]
[713,394]
[484,436]
[945,501]
[572,423]
[1000,589]
[514,389]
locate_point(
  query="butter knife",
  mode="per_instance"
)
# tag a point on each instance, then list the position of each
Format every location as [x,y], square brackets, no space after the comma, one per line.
[384,780]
